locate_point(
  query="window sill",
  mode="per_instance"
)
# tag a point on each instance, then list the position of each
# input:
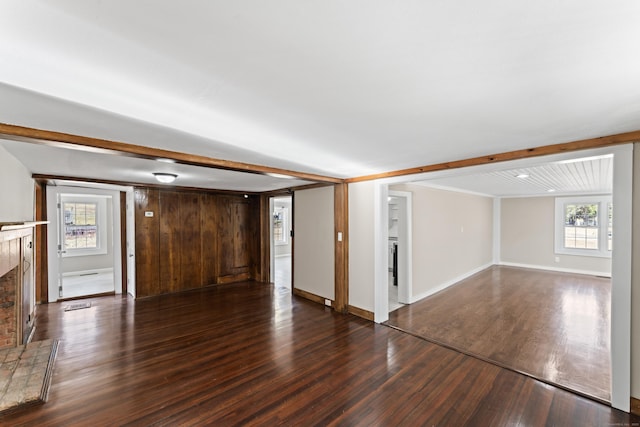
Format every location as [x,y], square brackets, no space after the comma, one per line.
[588,253]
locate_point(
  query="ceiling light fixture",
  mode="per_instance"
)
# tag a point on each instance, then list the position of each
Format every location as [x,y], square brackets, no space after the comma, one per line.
[522,175]
[279,175]
[551,190]
[165,178]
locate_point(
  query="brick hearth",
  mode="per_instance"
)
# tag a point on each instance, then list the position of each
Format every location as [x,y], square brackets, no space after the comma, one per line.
[8,309]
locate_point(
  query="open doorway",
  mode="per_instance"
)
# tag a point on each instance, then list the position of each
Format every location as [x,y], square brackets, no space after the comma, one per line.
[400,251]
[620,260]
[85,250]
[281,209]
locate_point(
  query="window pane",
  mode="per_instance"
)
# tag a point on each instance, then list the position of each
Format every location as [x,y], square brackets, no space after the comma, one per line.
[581,226]
[80,225]
[279,225]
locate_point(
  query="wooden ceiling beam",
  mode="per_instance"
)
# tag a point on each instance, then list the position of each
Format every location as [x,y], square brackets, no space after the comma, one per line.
[96,145]
[584,144]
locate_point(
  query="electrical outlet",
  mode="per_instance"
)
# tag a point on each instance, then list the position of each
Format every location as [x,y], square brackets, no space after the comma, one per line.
[557,259]
[327,302]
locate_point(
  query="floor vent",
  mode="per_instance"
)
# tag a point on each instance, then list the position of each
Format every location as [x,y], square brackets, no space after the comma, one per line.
[78,306]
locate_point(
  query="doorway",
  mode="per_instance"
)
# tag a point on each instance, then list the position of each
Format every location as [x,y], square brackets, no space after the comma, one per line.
[400,251]
[621,259]
[84,253]
[281,210]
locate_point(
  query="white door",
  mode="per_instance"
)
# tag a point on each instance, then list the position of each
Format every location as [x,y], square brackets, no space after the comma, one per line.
[85,232]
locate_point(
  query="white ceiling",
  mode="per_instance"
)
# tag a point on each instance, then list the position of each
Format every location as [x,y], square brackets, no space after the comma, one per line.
[99,166]
[587,175]
[337,88]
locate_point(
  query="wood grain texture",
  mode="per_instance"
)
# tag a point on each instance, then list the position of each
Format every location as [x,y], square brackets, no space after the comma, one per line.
[65,140]
[236,238]
[147,241]
[123,241]
[209,238]
[309,296]
[552,326]
[365,314]
[584,144]
[635,406]
[249,354]
[195,239]
[190,248]
[41,258]
[341,225]
[170,247]
[262,272]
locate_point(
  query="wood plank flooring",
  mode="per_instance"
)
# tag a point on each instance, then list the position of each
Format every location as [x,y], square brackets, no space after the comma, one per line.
[553,326]
[251,354]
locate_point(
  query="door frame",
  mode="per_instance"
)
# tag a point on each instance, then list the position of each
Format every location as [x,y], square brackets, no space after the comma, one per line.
[621,258]
[272,252]
[71,187]
[405,247]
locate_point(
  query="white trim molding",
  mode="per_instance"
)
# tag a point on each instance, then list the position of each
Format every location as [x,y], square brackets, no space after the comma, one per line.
[557,269]
[449,283]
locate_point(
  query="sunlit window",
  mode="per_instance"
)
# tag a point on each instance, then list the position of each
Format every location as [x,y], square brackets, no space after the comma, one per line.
[584,226]
[80,225]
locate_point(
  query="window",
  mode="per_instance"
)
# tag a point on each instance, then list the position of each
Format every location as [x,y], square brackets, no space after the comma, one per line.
[84,224]
[80,226]
[584,226]
[280,226]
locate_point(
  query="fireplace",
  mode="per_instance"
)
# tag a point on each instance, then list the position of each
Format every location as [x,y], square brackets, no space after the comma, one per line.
[8,309]
[17,293]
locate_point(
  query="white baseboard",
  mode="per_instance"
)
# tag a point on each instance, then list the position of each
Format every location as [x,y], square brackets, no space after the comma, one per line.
[449,283]
[87,272]
[282,255]
[558,269]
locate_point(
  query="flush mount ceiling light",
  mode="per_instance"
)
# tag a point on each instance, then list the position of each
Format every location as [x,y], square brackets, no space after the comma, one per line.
[279,175]
[163,160]
[522,175]
[165,178]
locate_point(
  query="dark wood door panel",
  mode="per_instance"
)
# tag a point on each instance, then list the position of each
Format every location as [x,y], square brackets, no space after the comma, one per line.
[171,228]
[147,234]
[190,248]
[241,235]
[194,239]
[208,236]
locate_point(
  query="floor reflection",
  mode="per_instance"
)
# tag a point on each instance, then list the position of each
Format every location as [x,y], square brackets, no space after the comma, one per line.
[552,326]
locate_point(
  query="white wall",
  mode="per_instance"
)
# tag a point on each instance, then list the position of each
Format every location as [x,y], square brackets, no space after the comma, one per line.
[361,245]
[314,250]
[527,238]
[635,278]
[16,190]
[452,236]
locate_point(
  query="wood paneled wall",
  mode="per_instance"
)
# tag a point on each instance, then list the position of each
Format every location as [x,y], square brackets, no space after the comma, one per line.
[187,239]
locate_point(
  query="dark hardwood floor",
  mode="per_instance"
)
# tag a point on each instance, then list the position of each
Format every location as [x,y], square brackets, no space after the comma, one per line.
[553,326]
[249,354]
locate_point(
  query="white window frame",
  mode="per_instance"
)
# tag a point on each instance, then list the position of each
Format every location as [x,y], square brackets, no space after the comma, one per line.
[101,222]
[603,223]
[284,211]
